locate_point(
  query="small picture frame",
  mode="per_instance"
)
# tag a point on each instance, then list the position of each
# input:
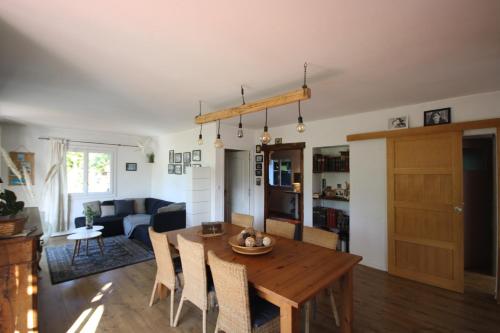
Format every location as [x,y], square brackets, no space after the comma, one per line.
[196,165]
[278,141]
[184,167]
[258,166]
[398,122]
[131,166]
[171,169]
[258,148]
[437,117]
[178,169]
[258,181]
[258,173]
[178,158]
[187,157]
[196,155]
[259,158]
[171,156]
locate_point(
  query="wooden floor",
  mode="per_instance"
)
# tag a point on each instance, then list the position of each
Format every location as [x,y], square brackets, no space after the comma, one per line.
[117,301]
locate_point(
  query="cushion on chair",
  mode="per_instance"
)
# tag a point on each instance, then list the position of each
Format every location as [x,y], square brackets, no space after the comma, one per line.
[124,207]
[261,311]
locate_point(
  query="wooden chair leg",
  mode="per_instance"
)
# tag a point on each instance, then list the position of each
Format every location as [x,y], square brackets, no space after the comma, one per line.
[217,326]
[172,294]
[153,294]
[334,307]
[179,309]
[204,321]
[308,316]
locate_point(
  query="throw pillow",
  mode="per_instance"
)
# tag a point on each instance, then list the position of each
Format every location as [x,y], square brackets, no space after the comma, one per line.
[124,207]
[107,210]
[140,206]
[94,205]
[172,208]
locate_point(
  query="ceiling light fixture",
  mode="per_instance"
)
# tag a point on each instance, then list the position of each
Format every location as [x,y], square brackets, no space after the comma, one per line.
[200,136]
[218,142]
[300,122]
[266,137]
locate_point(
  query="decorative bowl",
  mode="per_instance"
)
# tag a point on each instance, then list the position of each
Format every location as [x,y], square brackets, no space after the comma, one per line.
[252,251]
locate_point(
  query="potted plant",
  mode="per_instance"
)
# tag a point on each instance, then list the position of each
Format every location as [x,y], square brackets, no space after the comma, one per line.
[151,157]
[89,217]
[11,222]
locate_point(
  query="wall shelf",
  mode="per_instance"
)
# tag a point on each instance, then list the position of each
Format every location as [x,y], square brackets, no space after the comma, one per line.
[331,198]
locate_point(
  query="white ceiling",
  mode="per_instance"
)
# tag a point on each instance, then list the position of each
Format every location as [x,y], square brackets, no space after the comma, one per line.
[141,66]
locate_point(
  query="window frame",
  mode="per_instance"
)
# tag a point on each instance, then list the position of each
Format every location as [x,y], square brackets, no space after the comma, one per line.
[86,150]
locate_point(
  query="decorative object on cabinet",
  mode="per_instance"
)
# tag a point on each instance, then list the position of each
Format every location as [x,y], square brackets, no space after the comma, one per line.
[437,117]
[278,141]
[398,122]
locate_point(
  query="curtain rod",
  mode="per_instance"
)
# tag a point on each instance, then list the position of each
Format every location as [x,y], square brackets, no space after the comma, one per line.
[95,143]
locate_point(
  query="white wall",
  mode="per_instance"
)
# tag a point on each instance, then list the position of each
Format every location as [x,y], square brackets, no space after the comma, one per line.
[127,184]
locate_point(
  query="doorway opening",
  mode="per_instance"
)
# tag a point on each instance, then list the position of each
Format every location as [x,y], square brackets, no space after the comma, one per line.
[237,182]
[480,225]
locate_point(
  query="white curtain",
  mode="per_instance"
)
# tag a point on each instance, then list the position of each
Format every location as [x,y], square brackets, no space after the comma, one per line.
[56,202]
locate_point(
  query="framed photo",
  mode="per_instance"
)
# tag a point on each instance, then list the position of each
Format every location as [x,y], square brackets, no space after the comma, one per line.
[22,161]
[184,167]
[196,165]
[259,158]
[178,169]
[257,181]
[258,166]
[196,155]
[171,169]
[170,156]
[187,157]
[178,158]
[131,166]
[258,173]
[437,117]
[278,141]
[258,148]
[398,122]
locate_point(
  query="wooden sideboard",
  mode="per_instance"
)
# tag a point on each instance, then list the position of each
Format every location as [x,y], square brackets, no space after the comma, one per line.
[19,257]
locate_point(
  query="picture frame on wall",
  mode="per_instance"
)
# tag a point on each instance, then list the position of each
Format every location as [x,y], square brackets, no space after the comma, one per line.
[23,161]
[258,173]
[257,181]
[187,157]
[398,122]
[258,166]
[196,155]
[130,166]
[278,141]
[196,165]
[259,158]
[178,158]
[171,156]
[171,169]
[258,148]
[437,117]
[178,169]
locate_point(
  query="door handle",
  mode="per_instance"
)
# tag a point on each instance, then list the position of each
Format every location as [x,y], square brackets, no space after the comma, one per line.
[458,209]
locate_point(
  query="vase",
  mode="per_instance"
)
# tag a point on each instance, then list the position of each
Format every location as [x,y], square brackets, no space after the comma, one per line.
[89,222]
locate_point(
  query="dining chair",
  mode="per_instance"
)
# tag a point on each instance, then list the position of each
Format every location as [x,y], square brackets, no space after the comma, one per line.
[238,310]
[198,286]
[329,240]
[242,220]
[168,269]
[280,228]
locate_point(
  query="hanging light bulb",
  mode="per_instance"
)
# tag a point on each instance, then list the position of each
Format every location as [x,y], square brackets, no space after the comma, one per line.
[200,136]
[300,123]
[266,137]
[240,129]
[218,142]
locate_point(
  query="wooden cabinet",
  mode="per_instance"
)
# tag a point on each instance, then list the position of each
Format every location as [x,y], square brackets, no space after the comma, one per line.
[19,258]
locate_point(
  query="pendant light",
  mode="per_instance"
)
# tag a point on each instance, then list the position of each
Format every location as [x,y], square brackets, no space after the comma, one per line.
[300,122]
[218,142]
[200,136]
[240,125]
[266,137]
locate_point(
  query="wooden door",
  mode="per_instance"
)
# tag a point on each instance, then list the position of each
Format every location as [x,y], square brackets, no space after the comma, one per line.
[425,220]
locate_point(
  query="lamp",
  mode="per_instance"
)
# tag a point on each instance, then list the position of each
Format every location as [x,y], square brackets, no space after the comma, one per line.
[300,123]
[200,136]
[240,125]
[218,142]
[266,137]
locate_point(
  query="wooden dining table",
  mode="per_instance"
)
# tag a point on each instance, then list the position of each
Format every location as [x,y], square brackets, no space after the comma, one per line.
[290,275]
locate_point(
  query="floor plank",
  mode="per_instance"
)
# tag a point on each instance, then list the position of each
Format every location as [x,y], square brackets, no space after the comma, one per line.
[117,301]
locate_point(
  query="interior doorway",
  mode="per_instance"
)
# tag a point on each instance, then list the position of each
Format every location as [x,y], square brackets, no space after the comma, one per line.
[236,183]
[480,225]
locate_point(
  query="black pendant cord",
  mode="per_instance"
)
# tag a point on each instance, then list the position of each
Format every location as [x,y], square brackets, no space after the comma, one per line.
[243,95]
[240,125]
[265,126]
[304,86]
[218,130]
[201,125]
[300,115]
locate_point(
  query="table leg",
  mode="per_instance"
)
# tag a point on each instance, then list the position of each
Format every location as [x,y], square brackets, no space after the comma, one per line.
[346,285]
[87,247]
[79,243]
[74,252]
[101,245]
[289,319]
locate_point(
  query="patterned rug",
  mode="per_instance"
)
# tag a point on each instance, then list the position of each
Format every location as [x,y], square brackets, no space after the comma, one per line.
[119,251]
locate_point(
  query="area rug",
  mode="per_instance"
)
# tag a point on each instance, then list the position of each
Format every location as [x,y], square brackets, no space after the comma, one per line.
[119,251]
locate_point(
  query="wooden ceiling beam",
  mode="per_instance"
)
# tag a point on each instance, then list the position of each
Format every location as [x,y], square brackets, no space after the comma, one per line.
[271,102]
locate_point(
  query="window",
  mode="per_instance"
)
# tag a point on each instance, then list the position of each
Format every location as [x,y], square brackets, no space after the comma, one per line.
[280,172]
[89,171]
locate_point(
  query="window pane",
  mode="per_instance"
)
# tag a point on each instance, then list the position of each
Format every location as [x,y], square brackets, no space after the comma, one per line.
[75,165]
[99,172]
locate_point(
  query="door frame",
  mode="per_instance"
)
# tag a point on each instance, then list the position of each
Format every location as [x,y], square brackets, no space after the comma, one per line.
[279,147]
[250,179]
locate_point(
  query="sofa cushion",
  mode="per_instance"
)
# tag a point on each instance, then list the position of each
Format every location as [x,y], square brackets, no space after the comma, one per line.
[124,207]
[172,207]
[107,210]
[140,206]
[152,205]
[95,206]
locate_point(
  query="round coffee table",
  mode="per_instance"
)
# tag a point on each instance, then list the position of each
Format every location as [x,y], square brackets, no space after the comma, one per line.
[85,235]
[94,228]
